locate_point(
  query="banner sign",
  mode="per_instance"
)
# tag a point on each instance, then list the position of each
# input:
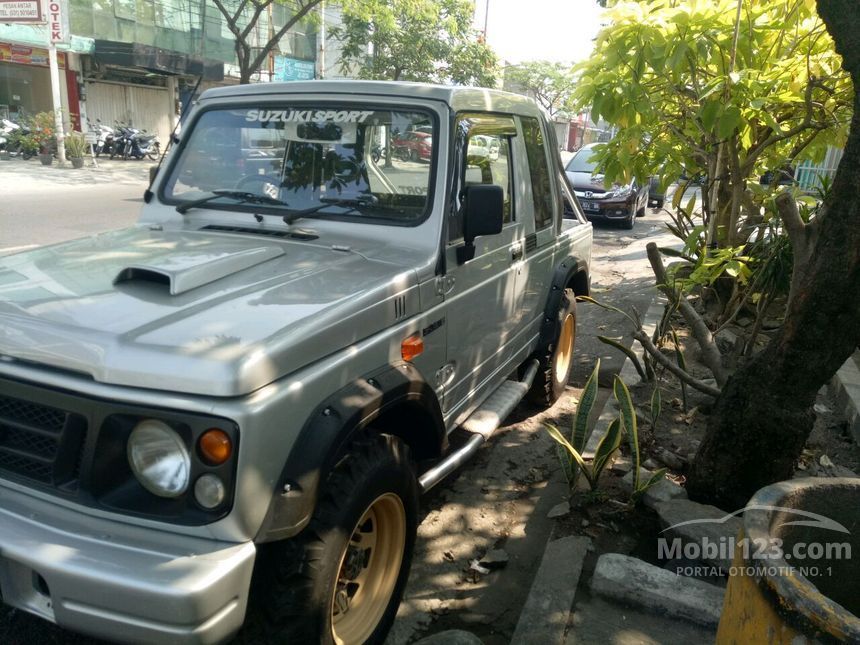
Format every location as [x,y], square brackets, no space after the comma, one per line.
[292,69]
[28,11]
[24,55]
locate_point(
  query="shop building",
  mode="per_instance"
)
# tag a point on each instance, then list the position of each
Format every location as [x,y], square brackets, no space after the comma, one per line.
[135,61]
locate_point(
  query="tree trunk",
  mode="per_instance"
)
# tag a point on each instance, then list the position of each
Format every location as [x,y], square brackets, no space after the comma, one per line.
[761,421]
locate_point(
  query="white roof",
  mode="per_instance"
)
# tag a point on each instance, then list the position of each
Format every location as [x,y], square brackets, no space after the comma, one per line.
[457,97]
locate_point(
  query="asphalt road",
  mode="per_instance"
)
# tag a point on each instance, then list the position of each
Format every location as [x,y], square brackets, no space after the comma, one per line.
[44,205]
[499,500]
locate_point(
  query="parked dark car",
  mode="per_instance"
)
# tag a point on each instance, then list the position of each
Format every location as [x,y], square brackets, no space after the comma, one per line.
[656,195]
[618,203]
[781,177]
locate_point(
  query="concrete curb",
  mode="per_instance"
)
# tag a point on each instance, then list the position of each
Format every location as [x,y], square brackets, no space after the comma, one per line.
[628,374]
[845,388]
[546,613]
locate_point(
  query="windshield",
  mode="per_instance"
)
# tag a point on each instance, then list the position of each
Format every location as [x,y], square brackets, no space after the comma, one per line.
[582,161]
[354,162]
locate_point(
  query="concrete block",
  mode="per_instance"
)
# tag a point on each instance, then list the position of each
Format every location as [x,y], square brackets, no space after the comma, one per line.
[686,521]
[630,580]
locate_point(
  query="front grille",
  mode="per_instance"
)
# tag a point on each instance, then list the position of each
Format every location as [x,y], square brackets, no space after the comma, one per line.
[41,443]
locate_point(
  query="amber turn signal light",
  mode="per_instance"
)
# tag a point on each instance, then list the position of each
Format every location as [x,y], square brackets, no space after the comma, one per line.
[412,347]
[215,447]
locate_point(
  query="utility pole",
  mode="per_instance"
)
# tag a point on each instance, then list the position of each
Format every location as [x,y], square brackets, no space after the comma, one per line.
[322,41]
[486,18]
[58,32]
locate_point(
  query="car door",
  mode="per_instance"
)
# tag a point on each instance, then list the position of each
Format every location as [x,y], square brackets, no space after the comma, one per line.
[480,293]
[540,209]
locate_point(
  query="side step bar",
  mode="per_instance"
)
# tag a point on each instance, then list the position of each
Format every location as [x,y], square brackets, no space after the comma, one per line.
[482,424]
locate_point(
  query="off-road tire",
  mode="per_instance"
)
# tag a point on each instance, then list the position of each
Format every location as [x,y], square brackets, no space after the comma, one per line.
[550,382]
[294,582]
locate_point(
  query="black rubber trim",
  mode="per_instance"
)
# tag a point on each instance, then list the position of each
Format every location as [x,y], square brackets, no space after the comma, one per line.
[564,272]
[330,429]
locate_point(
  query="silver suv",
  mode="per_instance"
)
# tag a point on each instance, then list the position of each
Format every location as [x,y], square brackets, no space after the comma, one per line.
[218,423]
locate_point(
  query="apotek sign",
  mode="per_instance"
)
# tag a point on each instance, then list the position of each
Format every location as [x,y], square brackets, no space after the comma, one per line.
[58,21]
[21,11]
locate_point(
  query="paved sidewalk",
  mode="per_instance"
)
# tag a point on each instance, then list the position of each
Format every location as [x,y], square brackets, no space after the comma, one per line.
[17,175]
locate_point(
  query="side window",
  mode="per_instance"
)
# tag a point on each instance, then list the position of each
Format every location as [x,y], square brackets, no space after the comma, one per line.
[539,171]
[485,144]
[488,161]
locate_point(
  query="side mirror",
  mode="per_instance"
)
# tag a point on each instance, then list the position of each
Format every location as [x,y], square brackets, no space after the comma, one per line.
[483,214]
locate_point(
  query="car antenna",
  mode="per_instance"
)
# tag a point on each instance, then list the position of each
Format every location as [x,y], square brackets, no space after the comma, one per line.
[147,194]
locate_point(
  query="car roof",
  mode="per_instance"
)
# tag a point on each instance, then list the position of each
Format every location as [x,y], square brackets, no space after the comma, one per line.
[459,98]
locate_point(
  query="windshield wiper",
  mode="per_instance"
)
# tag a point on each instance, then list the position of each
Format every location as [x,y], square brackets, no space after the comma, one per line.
[243,197]
[350,203]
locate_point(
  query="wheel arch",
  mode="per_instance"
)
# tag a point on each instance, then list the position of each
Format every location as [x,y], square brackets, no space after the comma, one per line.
[570,273]
[394,399]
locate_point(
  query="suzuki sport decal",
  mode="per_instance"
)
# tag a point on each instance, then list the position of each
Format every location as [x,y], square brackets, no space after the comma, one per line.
[307,116]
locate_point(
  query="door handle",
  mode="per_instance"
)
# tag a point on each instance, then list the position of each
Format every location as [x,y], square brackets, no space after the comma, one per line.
[517,253]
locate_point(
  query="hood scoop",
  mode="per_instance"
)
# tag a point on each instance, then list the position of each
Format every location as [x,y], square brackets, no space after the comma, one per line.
[180,273]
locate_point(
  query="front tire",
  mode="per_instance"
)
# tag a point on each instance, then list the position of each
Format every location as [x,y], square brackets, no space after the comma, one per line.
[556,358]
[341,580]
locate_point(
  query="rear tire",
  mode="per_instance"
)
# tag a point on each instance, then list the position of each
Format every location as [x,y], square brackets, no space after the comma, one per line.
[556,358]
[341,580]
[154,152]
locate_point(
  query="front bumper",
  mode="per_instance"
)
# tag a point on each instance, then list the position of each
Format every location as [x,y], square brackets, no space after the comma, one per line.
[117,581]
[608,210]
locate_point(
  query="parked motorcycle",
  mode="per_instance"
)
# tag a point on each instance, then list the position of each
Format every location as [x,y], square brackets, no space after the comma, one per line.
[11,134]
[104,137]
[130,142]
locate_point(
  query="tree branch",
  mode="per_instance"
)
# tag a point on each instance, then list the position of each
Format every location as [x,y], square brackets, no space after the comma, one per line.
[274,40]
[710,353]
[666,362]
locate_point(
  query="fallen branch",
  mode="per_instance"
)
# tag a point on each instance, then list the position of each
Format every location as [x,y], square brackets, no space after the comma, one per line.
[710,353]
[661,358]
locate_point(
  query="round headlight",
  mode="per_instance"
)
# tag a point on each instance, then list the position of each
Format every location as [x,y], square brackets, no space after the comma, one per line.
[159,458]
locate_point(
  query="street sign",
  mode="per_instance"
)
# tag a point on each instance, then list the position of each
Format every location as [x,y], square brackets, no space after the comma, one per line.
[293,69]
[58,21]
[28,11]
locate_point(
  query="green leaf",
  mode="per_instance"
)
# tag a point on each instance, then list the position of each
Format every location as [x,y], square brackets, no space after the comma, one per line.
[709,113]
[609,443]
[652,480]
[729,120]
[628,418]
[555,433]
[656,406]
[627,352]
[583,410]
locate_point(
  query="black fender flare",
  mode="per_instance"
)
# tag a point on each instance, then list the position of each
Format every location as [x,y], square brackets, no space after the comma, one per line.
[562,276]
[323,440]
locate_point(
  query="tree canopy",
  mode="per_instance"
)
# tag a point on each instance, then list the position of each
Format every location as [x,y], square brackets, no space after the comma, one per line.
[690,92]
[415,40]
[550,84]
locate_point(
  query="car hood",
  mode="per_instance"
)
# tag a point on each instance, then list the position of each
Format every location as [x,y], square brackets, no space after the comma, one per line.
[585,181]
[193,312]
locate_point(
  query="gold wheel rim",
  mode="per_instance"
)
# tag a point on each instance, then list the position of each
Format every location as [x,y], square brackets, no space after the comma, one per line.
[368,572]
[565,348]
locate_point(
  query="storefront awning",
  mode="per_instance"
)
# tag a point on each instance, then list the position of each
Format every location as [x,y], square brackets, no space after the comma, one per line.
[111,52]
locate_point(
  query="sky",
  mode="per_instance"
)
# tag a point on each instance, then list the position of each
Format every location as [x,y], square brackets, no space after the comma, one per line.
[555,30]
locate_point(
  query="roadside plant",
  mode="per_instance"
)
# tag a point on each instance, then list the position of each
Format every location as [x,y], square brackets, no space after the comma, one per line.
[571,450]
[76,145]
[43,130]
